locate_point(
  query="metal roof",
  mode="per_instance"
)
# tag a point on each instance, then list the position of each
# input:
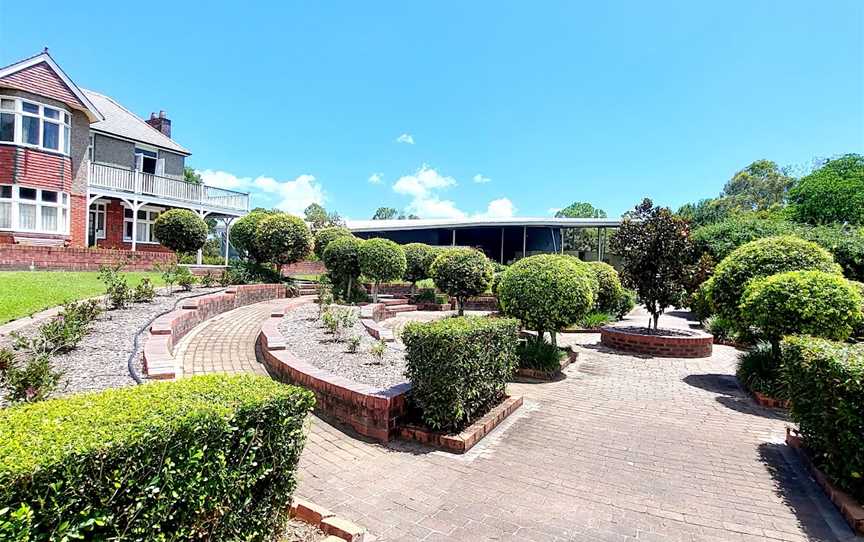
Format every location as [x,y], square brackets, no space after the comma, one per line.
[361,226]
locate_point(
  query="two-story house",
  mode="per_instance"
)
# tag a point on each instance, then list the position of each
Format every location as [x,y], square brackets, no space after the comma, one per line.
[78,169]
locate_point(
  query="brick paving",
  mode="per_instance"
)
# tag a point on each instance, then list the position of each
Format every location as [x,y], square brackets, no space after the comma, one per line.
[624,448]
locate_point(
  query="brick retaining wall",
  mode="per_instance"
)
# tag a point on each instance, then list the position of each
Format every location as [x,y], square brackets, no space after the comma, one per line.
[21,257]
[698,345]
[169,328]
[304,268]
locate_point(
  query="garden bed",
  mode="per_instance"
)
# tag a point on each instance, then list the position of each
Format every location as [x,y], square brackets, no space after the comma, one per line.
[664,343]
[539,374]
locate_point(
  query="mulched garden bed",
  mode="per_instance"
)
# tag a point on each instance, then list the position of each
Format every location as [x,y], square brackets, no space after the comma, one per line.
[100,360]
[306,338]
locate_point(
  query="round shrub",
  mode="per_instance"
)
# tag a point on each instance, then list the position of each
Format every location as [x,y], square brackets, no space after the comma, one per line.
[342,258]
[282,239]
[700,302]
[324,236]
[181,230]
[461,273]
[609,287]
[547,292]
[382,260]
[419,258]
[762,258]
[242,234]
[802,303]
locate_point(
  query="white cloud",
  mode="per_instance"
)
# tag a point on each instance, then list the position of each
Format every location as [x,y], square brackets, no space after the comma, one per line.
[405,138]
[435,208]
[376,178]
[291,196]
[423,186]
[553,210]
[481,179]
[499,208]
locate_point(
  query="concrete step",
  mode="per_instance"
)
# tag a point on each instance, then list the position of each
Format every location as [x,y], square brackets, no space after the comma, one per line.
[401,308]
[308,291]
[392,301]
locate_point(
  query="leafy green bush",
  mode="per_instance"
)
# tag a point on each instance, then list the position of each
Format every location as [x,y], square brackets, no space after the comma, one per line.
[458,367]
[547,292]
[539,355]
[210,457]
[419,258]
[700,301]
[27,377]
[381,260]
[250,272]
[144,292]
[181,230]
[324,236]
[342,258]
[283,239]
[721,328]
[762,258]
[243,232]
[208,280]
[117,289]
[625,303]
[609,287]
[595,320]
[832,193]
[461,273]
[63,332]
[185,278]
[759,370]
[826,390]
[802,303]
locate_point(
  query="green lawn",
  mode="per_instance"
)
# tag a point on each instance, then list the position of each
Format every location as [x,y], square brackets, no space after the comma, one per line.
[23,293]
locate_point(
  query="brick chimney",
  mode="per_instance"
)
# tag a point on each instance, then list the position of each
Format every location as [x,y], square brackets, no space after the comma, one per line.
[161,123]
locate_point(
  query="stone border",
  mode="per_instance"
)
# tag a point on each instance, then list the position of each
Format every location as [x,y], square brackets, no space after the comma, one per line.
[372,412]
[698,345]
[332,525]
[168,329]
[537,374]
[464,441]
[850,509]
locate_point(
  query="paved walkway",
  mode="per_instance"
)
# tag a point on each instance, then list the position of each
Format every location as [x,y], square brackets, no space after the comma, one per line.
[624,448]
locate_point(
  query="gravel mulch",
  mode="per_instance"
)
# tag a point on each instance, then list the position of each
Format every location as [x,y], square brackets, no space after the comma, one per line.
[300,531]
[307,338]
[99,361]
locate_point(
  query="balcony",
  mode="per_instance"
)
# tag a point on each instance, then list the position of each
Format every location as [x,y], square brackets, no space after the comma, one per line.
[167,190]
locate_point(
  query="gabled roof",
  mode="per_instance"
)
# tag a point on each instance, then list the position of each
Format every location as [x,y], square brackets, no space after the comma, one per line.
[123,123]
[80,101]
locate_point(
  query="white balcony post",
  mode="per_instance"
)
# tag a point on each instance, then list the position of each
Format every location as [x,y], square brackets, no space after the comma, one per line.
[228,222]
[134,225]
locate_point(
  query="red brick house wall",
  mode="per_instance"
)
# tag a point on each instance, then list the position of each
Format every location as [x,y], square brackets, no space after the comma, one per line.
[114,231]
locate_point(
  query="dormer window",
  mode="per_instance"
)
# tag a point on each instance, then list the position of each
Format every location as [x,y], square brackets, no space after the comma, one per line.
[33,124]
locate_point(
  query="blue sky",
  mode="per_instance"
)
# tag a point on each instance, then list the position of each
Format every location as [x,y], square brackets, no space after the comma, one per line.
[544,103]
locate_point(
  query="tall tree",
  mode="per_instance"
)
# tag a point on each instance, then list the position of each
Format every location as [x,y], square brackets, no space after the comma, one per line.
[319,218]
[758,187]
[385,213]
[192,176]
[832,193]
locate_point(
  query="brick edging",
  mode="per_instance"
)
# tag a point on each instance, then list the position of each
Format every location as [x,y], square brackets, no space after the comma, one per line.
[370,411]
[331,524]
[767,401]
[165,331]
[850,509]
[697,345]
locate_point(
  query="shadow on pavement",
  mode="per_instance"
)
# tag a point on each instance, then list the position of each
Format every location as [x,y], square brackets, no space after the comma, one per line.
[730,395]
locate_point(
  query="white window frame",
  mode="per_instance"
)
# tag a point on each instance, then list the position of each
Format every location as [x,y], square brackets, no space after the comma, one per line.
[146,223]
[100,208]
[64,125]
[62,206]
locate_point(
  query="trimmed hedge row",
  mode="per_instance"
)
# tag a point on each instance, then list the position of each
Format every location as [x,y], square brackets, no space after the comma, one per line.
[825,381]
[210,457]
[459,367]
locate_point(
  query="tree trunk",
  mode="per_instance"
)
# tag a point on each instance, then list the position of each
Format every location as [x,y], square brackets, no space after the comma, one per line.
[553,338]
[460,301]
[775,349]
[375,292]
[350,286]
[656,319]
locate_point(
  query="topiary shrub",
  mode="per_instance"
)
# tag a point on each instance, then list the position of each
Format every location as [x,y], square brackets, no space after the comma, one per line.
[802,303]
[825,381]
[461,273]
[342,258]
[324,236]
[381,260]
[181,230]
[418,258]
[762,258]
[547,292]
[242,234]
[283,239]
[210,457]
[609,287]
[458,367]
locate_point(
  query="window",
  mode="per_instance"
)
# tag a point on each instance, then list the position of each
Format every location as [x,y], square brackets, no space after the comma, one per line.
[25,122]
[97,220]
[145,160]
[146,217]
[33,210]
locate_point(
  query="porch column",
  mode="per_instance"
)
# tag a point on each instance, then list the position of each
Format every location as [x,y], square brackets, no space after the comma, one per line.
[228,221]
[561,235]
[598,244]
[134,225]
[453,242]
[501,261]
[524,239]
[86,222]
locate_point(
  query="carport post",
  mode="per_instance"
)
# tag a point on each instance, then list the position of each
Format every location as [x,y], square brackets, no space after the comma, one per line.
[453,242]
[501,261]
[598,243]
[524,239]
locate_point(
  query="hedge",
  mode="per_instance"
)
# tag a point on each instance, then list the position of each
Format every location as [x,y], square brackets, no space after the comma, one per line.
[458,367]
[211,457]
[825,381]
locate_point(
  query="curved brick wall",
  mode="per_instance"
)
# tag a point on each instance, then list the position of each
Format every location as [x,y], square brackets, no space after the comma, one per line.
[169,328]
[699,345]
[370,411]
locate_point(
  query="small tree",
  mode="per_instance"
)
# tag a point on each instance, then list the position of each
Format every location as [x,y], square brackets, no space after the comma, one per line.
[243,233]
[324,236]
[283,239]
[181,230]
[547,292]
[342,258]
[419,258]
[381,260]
[462,273]
[655,247]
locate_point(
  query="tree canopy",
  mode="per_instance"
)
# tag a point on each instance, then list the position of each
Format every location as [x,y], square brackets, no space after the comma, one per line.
[385,213]
[832,193]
